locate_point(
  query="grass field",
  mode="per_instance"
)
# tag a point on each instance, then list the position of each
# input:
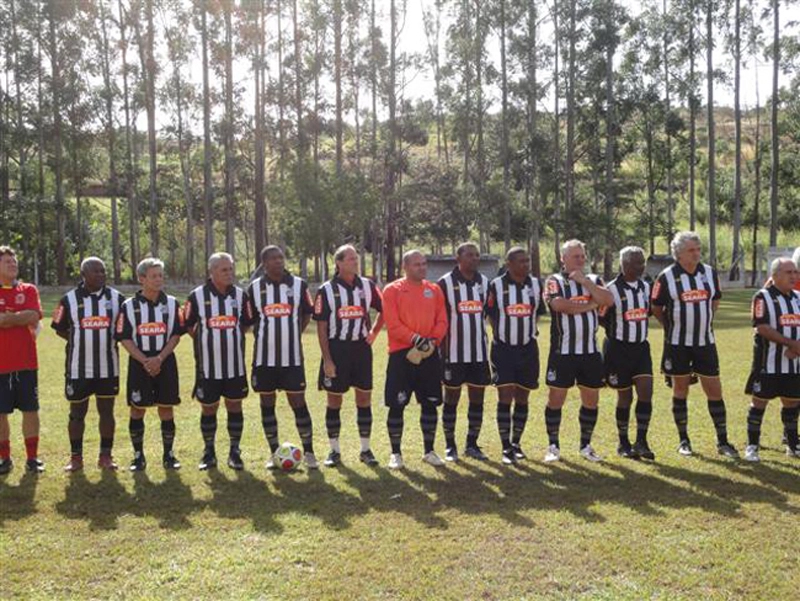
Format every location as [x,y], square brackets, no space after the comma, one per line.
[680,528]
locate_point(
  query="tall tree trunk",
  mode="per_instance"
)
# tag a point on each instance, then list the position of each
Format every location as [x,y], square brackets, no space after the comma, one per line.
[668,106]
[22,193]
[711,192]
[208,184]
[113,179]
[756,186]
[466,144]
[148,60]
[610,151]
[337,75]
[61,217]
[774,134]
[230,206]
[569,168]
[260,144]
[556,137]
[281,98]
[131,166]
[480,178]
[737,165]
[504,153]
[41,238]
[391,158]
[76,178]
[692,119]
[531,188]
[298,84]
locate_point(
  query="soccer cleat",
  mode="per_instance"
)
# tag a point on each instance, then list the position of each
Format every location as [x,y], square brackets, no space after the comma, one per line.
[6,465]
[451,454]
[589,454]
[751,453]
[790,452]
[334,458]
[509,457]
[139,463]
[475,452]
[728,450]
[685,448]
[626,450]
[433,459]
[553,454]
[171,462]
[642,449]
[75,464]
[235,460]
[34,466]
[518,452]
[311,461]
[368,458]
[396,461]
[208,461]
[271,465]
[106,462]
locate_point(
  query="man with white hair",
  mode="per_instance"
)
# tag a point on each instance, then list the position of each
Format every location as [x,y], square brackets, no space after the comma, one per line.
[416,321]
[684,299]
[150,326]
[575,300]
[775,372]
[626,352]
[85,317]
[215,317]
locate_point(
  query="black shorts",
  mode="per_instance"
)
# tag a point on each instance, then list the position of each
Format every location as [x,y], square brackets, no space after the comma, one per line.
[564,371]
[19,390]
[471,374]
[209,392]
[266,380]
[772,386]
[403,379]
[353,362]
[626,361]
[515,365]
[688,360]
[162,390]
[77,391]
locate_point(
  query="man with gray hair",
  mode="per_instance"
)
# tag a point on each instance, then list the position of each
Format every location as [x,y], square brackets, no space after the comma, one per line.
[149,326]
[626,351]
[575,300]
[216,319]
[775,372]
[85,317]
[685,297]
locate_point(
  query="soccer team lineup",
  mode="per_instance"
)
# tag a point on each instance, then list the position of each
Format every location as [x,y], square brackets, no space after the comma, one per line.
[464,331]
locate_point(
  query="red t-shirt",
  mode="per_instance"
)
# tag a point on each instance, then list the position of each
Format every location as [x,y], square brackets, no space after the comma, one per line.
[18,344]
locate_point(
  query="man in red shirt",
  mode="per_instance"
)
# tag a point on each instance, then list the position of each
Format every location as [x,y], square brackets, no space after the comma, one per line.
[20,312]
[416,321]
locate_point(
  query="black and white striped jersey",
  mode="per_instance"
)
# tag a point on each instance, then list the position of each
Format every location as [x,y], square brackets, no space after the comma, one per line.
[688,301]
[514,308]
[218,320]
[626,319]
[149,324]
[781,312]
[276,310]
[345,307]
[88,319]
[465,301]
[572,334]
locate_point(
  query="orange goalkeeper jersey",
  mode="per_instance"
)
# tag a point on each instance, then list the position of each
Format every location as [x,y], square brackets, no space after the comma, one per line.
[413,308]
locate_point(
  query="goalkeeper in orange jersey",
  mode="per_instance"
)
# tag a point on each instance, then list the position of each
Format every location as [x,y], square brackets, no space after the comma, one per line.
[416,321]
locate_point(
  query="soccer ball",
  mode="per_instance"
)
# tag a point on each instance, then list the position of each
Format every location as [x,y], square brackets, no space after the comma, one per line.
[287,457]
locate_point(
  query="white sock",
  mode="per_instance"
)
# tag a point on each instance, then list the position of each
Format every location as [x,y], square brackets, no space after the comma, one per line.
[335,445]
[364,445]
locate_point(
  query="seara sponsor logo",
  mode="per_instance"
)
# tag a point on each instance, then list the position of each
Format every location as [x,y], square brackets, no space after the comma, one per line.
[581,300]
[636,315]
[790,320]
[519,310]
[278,310]
[694,296]
[470,306]
[222,322]
[95,323]
[156,328]
[350,312]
